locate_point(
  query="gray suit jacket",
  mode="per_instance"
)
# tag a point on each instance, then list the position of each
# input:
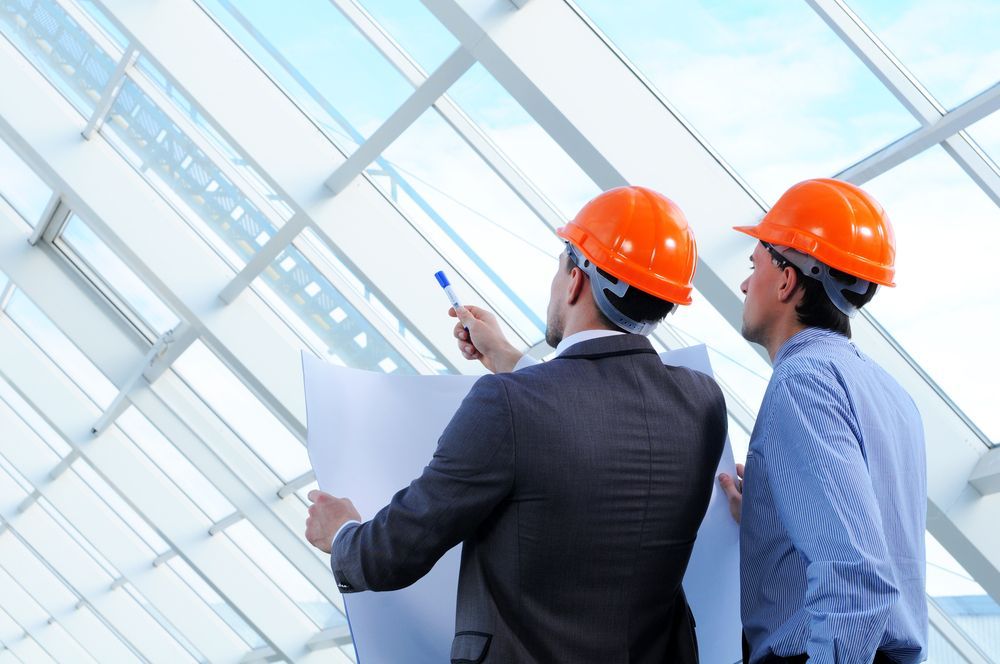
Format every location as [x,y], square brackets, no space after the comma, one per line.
[577,488]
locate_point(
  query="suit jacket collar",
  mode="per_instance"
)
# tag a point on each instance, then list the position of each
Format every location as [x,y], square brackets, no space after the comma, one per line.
[619,344]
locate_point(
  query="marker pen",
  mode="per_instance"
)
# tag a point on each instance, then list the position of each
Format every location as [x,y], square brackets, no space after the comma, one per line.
[448,290]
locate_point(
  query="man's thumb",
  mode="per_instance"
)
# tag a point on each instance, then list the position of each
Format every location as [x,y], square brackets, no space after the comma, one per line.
[465,316]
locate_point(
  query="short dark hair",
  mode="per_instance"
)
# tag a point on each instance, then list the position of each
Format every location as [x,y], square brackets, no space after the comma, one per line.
[636,304]
[817,310]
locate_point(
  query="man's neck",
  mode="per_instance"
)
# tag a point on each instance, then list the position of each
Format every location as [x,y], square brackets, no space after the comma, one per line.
[780,335]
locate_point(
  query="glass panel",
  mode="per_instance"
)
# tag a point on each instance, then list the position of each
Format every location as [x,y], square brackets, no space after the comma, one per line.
[322,316]
[320,60]
[474,219]
[61,350]
[53,544]
[941,651]
[963,600]
[515,132]
[191,119]
[186,176]
[162,621]
[939,310]
[330,261]
[118,505]
[217,604]
[166,458]
[80,540]
[954,49]
[204,195]
[13,486]
[29,572]
[766,82]
[30,611]
[986,133]
[21,188]
[60,48]
[123,283]
[249,419]
[31,417]
[414,27]
[277,568]
[98,16]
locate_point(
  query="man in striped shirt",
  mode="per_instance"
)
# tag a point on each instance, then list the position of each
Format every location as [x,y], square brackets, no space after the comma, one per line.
[834,500]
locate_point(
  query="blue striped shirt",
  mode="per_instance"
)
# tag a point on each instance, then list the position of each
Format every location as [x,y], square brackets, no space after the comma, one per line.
[834,511]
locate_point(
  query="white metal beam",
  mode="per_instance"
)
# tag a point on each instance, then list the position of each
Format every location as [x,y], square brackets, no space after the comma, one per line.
[927,136]
[879,59]
[954,635]
[170,512]
[472,134]
[22,614]
[515,47]
[110,92]
[111,538]
[986,475]
[207,442]
[415,105]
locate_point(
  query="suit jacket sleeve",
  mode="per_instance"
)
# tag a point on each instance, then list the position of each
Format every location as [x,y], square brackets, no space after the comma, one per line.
[472,471]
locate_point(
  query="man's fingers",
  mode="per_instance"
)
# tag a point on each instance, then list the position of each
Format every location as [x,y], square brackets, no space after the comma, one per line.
[465,316]
[728,486]
[316,496]
[739,470]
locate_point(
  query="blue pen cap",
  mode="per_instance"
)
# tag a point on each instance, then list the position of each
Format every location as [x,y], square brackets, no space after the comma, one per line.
[443,280]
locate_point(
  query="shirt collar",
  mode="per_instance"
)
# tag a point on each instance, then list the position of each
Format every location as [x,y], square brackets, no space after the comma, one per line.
[584,335]
[800,340]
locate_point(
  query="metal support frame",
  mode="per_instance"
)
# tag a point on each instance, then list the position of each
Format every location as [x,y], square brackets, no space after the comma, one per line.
[64,465]
[94,521]
[6,294]
[986,475]
[301,481]
[927,136]
[874,54]
[29,629]
[51,224]
[333,637]
[158,359]
[416,104]
[110,93]
[473,136]
[954,635]
[30,576]
[222,524]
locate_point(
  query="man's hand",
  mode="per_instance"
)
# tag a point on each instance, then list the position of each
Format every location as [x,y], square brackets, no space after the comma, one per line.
[326,515]
[733,489]
[487,343]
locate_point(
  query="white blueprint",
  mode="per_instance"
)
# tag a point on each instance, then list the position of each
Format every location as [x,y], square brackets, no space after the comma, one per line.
[370,434]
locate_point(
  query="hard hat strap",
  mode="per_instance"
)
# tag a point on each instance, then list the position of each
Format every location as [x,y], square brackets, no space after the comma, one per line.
[833,286]
[600,285]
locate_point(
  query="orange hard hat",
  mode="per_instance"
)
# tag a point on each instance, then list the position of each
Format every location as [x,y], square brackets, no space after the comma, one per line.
[836,223]
[640,237]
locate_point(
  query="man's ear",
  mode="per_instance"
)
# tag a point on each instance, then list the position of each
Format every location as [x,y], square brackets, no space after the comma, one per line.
[577,282]
[789,285]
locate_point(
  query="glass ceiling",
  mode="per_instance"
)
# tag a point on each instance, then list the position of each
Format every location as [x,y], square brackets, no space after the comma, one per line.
[96,566]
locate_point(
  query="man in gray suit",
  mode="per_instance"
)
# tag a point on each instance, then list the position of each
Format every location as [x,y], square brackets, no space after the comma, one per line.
[576,486]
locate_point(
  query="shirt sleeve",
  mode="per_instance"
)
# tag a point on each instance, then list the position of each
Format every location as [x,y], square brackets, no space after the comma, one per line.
[823,494]
[471,472]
